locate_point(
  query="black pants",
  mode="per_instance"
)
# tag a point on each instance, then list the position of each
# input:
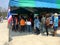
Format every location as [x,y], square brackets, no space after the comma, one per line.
[22,28]
[17,27]
[37,30]
[46,27]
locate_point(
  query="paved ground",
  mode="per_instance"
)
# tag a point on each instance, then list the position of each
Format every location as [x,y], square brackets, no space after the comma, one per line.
[19,38]
[3,33]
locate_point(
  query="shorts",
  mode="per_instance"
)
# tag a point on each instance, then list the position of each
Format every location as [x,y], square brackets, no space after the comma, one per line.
[51,24]
[55,28]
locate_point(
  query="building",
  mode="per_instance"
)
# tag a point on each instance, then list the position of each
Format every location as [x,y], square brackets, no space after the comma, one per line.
[34,6]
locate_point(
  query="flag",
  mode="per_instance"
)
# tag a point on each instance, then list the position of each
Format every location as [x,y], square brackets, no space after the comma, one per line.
[9,16]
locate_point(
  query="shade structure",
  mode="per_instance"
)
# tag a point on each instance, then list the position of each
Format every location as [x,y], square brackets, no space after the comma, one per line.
[35,3]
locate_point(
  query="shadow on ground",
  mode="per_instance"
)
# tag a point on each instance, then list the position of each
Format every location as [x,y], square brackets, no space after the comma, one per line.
[6,43]
[13,33]
[58,35]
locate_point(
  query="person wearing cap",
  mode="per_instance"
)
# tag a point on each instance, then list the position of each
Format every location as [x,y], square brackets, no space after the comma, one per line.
[55,24]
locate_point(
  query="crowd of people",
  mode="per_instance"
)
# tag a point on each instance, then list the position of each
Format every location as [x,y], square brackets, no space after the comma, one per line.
[36,24]
[47,22]
[22,24]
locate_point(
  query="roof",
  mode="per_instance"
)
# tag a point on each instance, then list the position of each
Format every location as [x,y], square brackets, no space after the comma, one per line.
[35,3]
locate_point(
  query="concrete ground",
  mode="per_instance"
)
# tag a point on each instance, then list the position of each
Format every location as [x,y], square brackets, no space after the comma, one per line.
[26,38]
[18,38]
[4,33]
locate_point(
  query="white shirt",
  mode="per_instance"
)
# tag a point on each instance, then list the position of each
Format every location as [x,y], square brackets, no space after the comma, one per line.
[43,20]
[28,23]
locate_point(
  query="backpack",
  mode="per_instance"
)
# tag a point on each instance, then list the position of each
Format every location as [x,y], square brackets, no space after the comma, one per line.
[47,21]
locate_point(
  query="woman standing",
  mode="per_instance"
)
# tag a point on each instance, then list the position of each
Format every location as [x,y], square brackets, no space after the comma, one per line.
[28,24]
[47,23]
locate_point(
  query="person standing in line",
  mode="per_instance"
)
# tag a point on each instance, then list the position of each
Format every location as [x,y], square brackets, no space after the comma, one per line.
[51,21]
[47,23]
[12,24]
[16,24]
[51,24]
[37,25]
[28,24]
[30,19]
[43,23]
[55,24]
[19,18]
[22,24]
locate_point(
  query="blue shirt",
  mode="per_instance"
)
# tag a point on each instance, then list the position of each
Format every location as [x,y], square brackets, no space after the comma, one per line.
[36,23]
[55,21]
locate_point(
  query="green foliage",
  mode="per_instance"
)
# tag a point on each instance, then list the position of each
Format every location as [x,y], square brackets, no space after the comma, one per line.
[4,14]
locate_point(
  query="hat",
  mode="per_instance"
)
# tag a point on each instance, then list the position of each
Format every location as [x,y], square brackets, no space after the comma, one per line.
[55,14]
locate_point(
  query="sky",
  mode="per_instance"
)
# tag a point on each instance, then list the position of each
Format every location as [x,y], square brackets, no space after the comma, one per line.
[4,3]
